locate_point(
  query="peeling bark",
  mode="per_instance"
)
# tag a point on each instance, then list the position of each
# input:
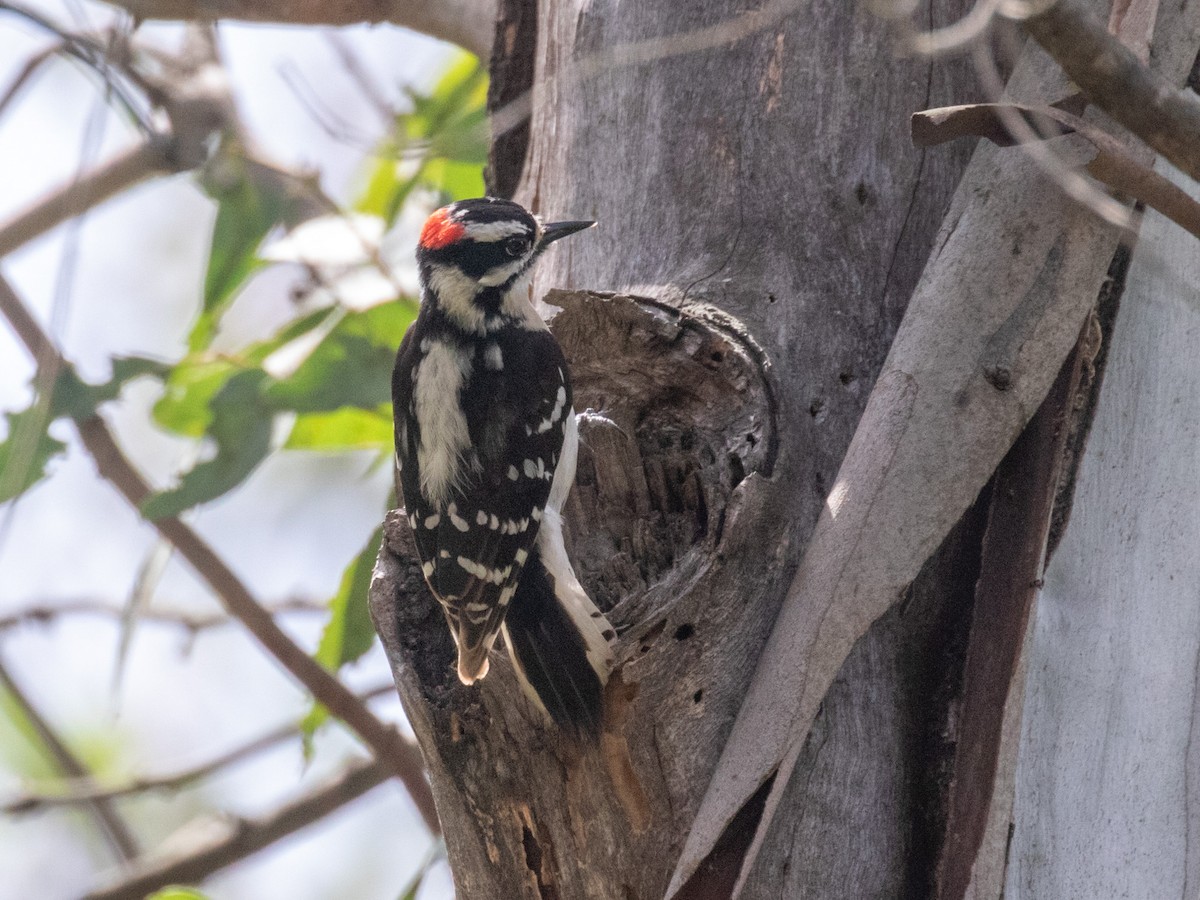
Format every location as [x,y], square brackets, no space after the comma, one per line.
[763,226]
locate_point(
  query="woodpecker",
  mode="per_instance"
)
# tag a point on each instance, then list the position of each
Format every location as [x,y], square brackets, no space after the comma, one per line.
[486,442]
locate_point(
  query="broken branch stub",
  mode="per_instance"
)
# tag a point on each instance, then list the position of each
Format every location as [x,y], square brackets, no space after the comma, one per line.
[1104,158]
[677,424]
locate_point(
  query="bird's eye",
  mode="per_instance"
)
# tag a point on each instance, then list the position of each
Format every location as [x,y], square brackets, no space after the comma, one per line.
[516,246]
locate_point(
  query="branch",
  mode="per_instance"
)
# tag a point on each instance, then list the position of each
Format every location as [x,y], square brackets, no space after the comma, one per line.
[46,612]
[114,828]
[1109,161]
[245,837]
[401,755]
[1114,79]
[129,168]
[468,23]
[86,790]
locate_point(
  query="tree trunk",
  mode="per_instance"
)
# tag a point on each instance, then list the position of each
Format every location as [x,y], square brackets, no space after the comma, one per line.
[764,220]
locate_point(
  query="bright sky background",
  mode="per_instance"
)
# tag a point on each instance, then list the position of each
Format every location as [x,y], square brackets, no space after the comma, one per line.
[135,287]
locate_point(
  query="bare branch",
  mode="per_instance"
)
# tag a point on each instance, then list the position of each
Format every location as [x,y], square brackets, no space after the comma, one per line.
[129,168]
[1110,162]
[1114,79]
[245,837]
[43,613]
[468,23]
[86,790]
[115,831]
[401,755]
[31,67]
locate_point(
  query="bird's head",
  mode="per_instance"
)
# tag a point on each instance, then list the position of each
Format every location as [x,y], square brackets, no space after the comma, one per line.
[475,256]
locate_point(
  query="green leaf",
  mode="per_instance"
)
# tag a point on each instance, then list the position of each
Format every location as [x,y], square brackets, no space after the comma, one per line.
[347,428]
[453,117]
[241,427]
[26,451]
[189,390]
[351,367]
[175,892]
[246,211]
[79,400]
[449,129]
[349,632]
[454,180]
[388,187]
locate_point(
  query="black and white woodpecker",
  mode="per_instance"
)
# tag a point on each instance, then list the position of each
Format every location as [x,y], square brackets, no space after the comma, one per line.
[486,442]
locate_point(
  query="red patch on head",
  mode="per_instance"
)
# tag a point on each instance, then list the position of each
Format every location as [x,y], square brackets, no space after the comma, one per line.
[440,230]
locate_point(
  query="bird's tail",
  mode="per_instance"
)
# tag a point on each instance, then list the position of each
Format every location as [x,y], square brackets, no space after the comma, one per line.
[559,643]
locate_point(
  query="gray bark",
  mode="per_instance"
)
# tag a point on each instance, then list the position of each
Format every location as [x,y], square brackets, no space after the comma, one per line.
[1106,801]
[770,177]
[765,220]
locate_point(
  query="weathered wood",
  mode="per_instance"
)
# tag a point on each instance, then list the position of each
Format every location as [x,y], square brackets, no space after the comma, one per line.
[998,307]
[1022,500]
[765,175]
[1106,803]
[769,176]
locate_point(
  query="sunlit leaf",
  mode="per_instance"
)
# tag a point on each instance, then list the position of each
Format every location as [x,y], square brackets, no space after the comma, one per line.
[363,288]
[453,117]
[175,892]
[388,186]
[343,429]
[246,212]
[441,144]
[26,450]
[351,367]
[333,240]
[454,180]
[240,426]
[188,392]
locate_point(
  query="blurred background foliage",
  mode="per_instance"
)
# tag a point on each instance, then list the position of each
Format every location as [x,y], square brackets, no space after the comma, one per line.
[317,382]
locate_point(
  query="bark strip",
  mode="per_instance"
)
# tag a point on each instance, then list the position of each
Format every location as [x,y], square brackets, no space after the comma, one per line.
[1013,552]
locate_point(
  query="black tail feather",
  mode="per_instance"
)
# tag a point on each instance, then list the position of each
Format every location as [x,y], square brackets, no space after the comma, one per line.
[550,653]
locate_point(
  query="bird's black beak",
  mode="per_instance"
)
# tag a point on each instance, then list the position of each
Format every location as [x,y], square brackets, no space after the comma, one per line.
[556,230]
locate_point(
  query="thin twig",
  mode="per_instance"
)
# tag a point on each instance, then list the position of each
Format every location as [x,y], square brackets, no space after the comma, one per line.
[151,157]
[28,70]
[85,790]
[116,832]
[43,613]
[401,755]
[245,837]
[366,82]
[1113,78]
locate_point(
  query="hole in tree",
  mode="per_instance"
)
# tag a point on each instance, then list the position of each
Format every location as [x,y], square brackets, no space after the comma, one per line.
[685,631]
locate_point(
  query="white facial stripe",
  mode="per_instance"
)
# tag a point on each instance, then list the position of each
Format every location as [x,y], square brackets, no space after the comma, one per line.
[501,274]
[486,232]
